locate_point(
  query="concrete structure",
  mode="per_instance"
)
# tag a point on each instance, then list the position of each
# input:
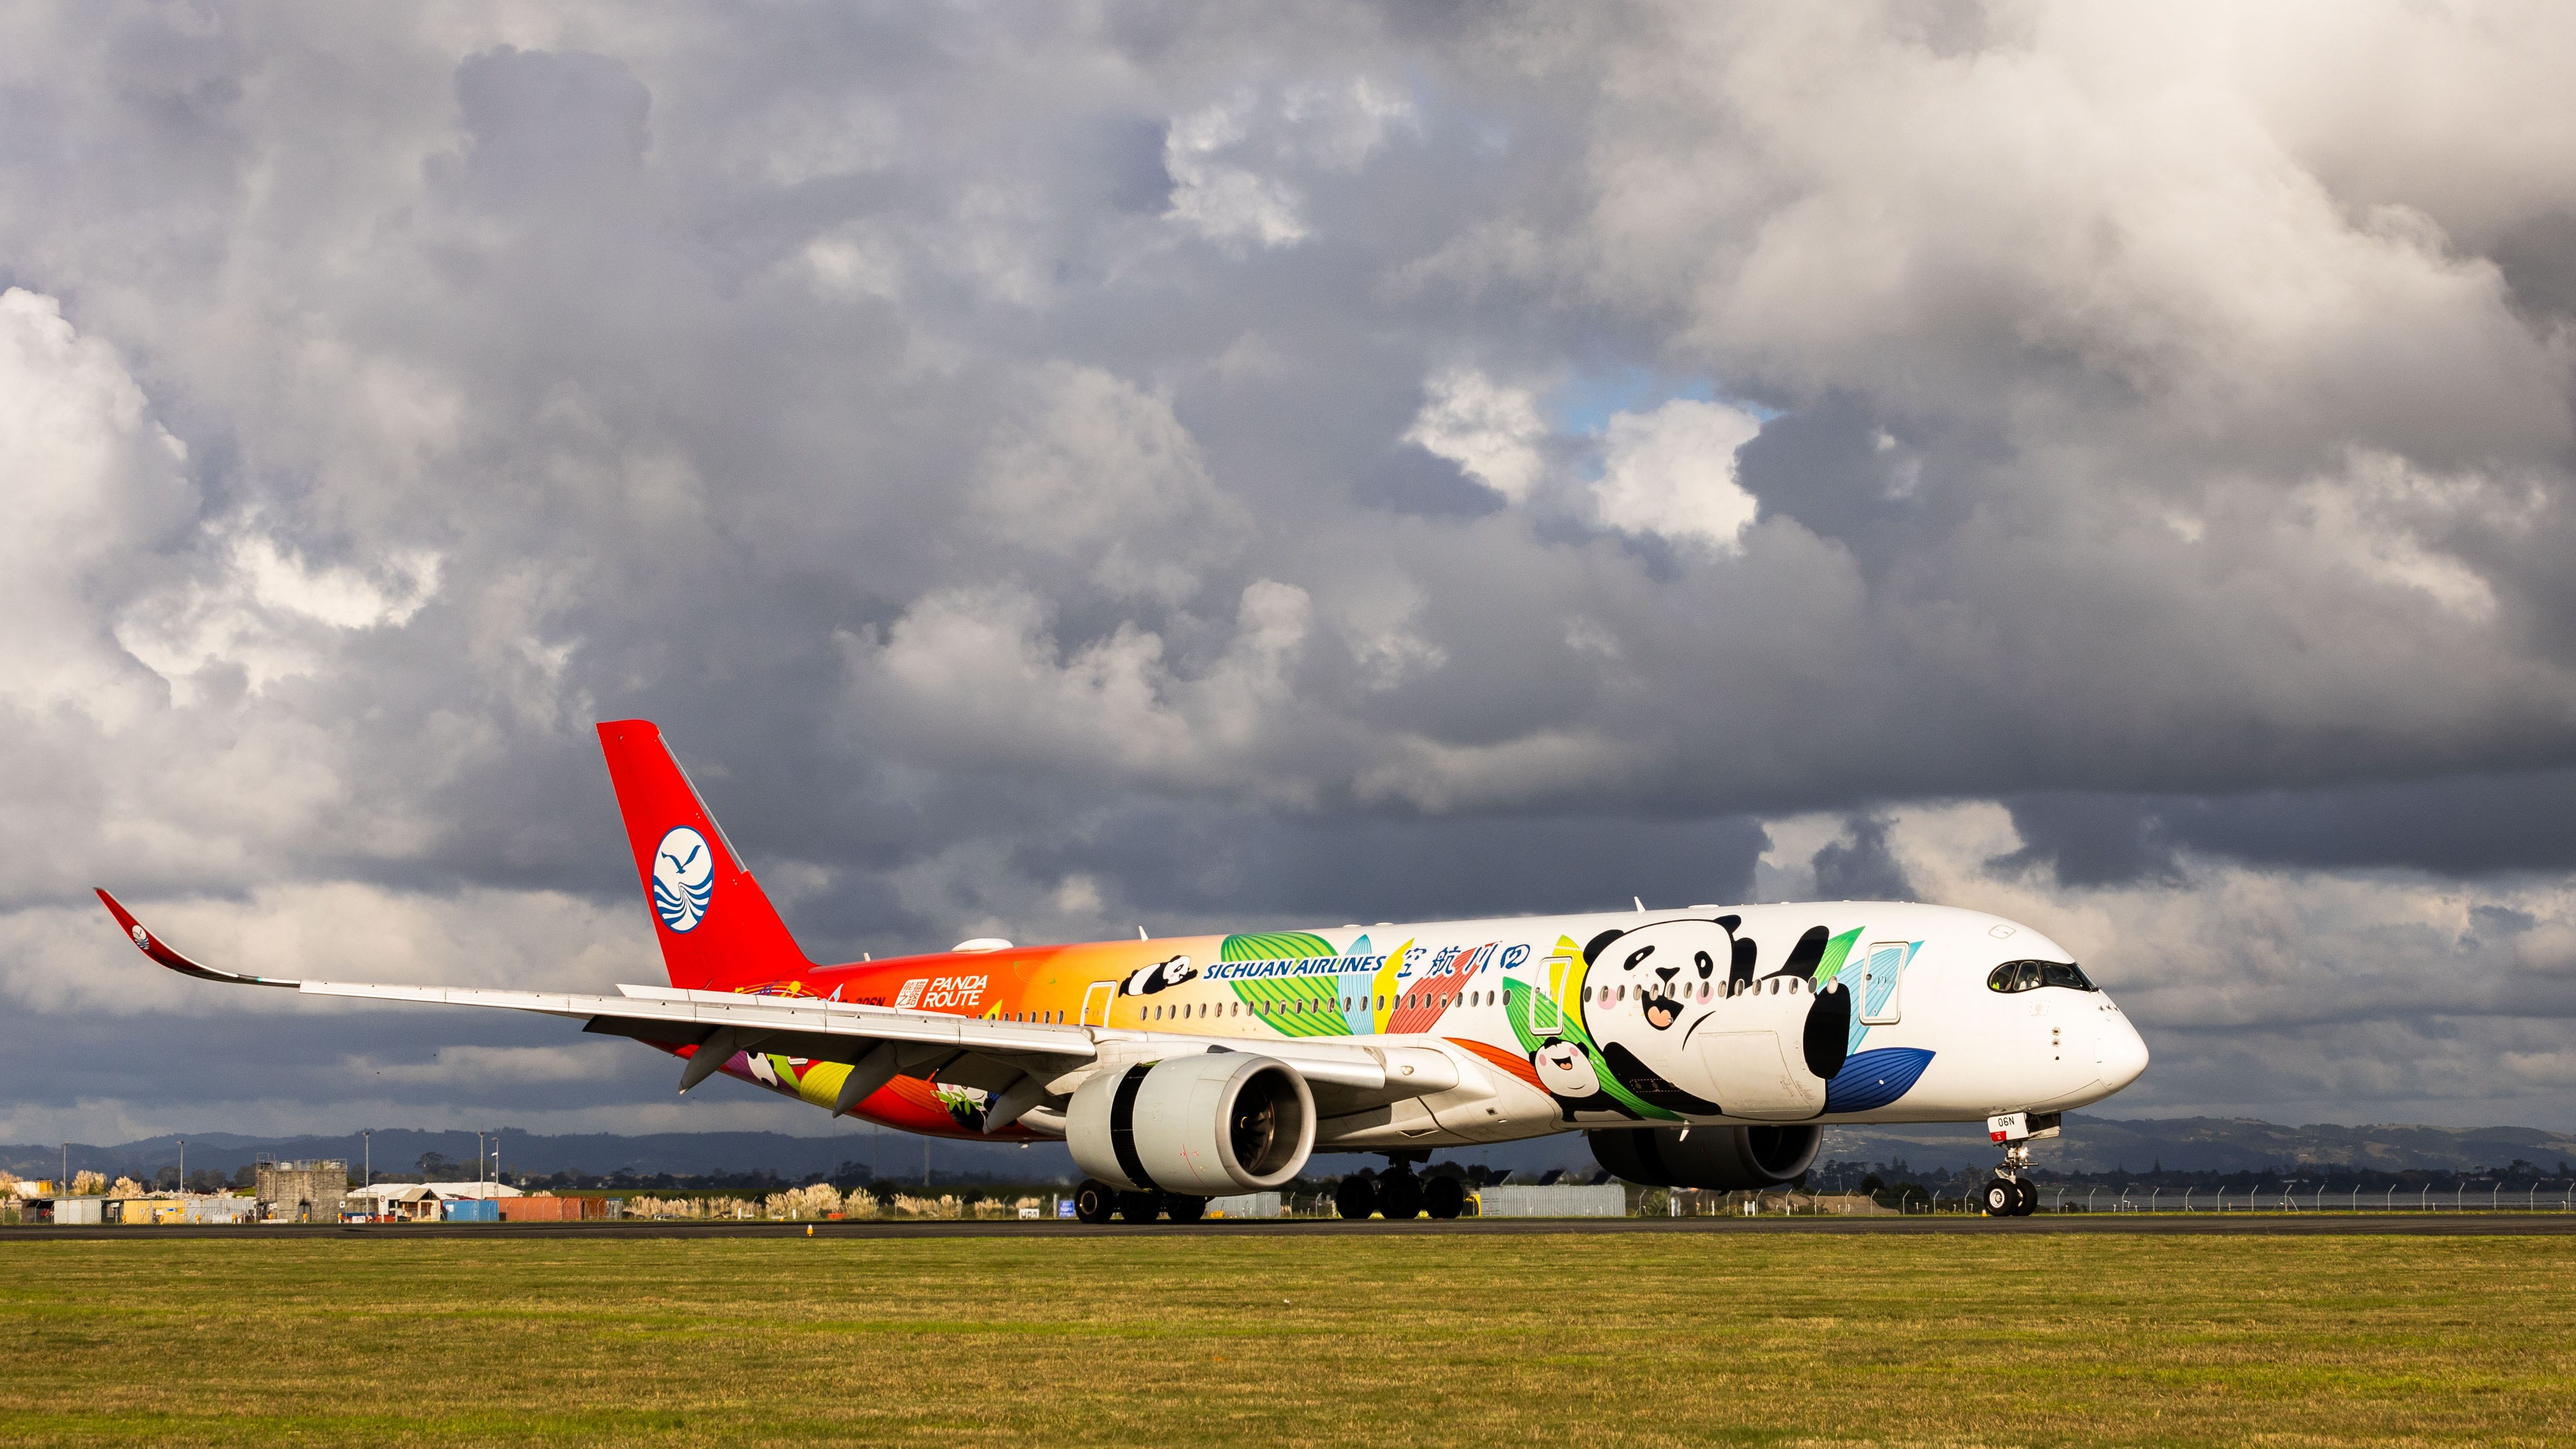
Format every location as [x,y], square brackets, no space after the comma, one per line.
[1609,1200]
[302,1192]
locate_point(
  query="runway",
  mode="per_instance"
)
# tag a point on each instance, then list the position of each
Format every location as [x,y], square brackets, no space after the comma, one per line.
[2308,1225]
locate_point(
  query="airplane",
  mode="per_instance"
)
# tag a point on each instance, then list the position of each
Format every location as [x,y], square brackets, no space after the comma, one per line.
[1704,1047]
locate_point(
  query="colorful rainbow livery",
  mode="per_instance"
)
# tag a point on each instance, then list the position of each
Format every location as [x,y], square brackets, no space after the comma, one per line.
[1698,1047]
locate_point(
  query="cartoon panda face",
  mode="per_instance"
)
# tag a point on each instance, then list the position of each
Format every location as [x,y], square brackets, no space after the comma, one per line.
[1565,1068]
[1664,966]
[1646,988]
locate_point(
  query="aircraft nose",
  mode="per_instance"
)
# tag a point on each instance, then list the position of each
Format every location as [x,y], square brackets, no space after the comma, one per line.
[2122,1052]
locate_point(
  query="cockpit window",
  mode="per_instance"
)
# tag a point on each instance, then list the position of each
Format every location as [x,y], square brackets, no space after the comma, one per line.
[2063,973]
[2030,975]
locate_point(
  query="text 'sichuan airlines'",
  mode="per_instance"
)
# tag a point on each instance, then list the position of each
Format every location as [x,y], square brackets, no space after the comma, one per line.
[1700,1047]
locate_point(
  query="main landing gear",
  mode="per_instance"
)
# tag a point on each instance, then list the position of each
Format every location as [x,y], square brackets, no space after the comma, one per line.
[1097,1202]
[1398,1195]
[2008,1194]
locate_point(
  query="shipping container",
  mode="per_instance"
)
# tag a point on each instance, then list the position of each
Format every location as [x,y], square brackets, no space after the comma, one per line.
[543,1209]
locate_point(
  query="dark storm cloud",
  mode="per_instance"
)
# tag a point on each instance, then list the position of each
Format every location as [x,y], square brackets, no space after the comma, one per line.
[1051,471]
[1859,867]
[2464,827]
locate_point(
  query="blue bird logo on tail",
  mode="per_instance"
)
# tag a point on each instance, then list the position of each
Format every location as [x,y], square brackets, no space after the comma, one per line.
[684,879]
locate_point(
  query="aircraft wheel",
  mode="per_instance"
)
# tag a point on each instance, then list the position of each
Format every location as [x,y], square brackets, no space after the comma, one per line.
[1356,1197]
[2029,1198]
[1140,1207]
[1095,1201]
[2000,1197]
[1184,1209]
[1444,1197]
[1399,1197]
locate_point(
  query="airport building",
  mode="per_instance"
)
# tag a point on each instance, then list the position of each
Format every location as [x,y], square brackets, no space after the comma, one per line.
[302,1192]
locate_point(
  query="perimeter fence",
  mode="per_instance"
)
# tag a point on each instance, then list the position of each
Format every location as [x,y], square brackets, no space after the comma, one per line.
[2291,1197]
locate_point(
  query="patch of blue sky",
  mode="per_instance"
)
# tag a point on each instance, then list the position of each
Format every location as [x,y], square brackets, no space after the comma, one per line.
[1583,404]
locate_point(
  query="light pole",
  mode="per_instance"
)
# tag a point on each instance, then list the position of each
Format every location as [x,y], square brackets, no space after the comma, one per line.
[183,1164]
[367,1158]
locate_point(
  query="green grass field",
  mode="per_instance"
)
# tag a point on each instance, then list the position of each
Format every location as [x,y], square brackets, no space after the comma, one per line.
[1610,1339]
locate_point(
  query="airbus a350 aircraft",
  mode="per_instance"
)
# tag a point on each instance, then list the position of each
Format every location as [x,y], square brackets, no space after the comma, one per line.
[1703,1047]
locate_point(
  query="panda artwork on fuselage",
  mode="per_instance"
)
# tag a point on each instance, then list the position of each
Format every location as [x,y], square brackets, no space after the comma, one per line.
[1654,987]
[1566,1072]
[1162,975]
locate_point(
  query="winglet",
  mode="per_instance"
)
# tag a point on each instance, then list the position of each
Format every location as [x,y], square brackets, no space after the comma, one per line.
[154,947]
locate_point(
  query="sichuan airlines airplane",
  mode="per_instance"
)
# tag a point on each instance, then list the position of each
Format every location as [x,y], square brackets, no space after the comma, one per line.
[1702,1047]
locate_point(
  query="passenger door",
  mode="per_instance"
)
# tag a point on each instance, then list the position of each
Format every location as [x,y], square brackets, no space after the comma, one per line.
[1546,1018]
[1097,1001]
[1880,973]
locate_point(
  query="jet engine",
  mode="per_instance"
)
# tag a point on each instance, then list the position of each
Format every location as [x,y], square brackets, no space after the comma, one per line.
[1201,1126]
[1724,1159]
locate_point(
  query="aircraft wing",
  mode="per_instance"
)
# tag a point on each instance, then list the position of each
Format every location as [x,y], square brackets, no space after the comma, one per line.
[1023,1063]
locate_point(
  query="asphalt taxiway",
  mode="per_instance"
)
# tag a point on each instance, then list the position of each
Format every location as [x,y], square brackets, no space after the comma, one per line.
[2309,1224]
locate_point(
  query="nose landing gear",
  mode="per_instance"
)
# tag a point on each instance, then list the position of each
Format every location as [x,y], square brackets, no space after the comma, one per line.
[2008,1194]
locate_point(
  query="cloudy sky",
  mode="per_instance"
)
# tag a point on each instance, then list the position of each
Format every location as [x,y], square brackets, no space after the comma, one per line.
[1060,468]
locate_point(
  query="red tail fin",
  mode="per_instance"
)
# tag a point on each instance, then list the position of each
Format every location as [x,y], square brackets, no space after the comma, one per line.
[717,928]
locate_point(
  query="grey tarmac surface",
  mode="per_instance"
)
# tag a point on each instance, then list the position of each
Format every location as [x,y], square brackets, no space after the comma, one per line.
[2327,1224]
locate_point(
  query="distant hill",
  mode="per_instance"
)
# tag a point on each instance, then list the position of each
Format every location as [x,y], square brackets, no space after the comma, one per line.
[399,1150]
[2090,1144]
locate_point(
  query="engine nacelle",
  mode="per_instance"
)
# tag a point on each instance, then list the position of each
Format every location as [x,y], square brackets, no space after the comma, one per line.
[1204,1126]
[1723,1159]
